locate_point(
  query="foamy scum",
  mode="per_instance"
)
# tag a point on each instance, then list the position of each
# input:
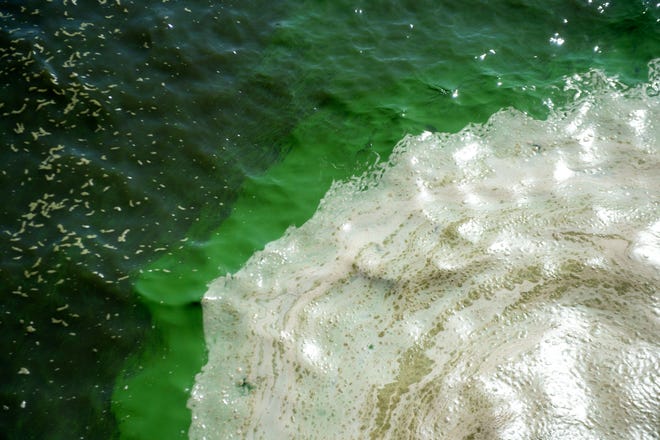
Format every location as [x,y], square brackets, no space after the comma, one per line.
[499,283]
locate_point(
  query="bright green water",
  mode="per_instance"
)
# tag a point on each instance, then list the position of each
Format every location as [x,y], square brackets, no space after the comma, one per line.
[195,100]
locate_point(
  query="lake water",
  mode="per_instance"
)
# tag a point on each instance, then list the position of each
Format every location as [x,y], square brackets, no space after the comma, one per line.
[152,147]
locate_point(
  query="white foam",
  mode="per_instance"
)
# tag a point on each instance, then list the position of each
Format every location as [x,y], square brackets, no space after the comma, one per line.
[501,282]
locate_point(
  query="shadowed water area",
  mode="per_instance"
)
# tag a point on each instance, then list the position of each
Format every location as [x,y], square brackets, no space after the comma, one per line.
[150,147]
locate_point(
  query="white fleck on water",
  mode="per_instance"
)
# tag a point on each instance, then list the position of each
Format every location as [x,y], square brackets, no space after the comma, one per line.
[498,283]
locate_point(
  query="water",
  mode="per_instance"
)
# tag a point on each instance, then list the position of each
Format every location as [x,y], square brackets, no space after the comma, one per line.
[164,117]
[501,282]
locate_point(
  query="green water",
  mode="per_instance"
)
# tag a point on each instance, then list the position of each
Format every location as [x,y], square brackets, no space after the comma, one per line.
[179,109]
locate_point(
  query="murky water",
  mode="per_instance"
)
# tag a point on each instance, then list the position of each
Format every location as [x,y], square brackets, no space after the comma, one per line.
[150,147]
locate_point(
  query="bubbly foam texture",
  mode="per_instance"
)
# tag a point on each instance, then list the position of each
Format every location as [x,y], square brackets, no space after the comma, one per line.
[497,283]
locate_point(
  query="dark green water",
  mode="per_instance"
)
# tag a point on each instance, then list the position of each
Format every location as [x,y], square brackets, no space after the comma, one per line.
[150,147]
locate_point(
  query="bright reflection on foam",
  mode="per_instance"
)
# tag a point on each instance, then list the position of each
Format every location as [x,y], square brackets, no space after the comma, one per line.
[562,172]
[646,247]
[562,387]
[467,154]
[471,230]
[609,216]
[578,118]
[312,352]
[493,284]
[638,120]
[422,193]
